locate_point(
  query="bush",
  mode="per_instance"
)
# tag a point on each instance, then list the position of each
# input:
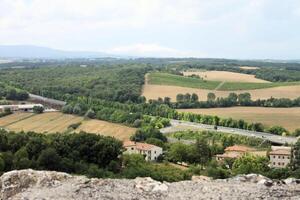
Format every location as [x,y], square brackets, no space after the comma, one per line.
[38,109]
[90,114]
[281,173]
[136,166]
[49,159]
[74,126]
[2,164]
[250,164]
[296,132]
[278,130]
[156,142]
[217,173]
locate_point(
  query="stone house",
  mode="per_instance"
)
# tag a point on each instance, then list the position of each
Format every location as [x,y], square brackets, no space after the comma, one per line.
[151,152]
[234,152]
[280,157]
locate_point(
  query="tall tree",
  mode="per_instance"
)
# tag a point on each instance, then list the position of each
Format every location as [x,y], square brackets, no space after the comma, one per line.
[194,97]
[211,96]
[203,151]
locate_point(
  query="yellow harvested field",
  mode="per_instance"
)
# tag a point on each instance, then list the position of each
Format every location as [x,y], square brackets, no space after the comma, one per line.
[4,121]
[58,122]
[225,76]
[248,67]
[106,128]
[155,91]
[286,117]
[45,123]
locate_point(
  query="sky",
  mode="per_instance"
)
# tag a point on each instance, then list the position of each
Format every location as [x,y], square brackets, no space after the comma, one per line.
[243,29]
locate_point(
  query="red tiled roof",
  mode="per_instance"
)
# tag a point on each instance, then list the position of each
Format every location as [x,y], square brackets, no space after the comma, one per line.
[128,143]
[280,152]
[239,148]
[229,155]
[139,145]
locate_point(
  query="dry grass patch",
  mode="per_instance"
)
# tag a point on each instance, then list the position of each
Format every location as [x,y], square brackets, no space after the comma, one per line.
[106,128]
[226,76]
[155,91]
[45,123]
[286,117]
[4,121]
[58,122]
[248,67]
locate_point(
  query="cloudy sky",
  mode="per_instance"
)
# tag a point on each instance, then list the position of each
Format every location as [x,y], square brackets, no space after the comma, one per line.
[181,28]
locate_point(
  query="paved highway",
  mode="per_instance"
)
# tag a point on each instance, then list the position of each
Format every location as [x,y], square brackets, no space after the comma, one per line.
[177,125]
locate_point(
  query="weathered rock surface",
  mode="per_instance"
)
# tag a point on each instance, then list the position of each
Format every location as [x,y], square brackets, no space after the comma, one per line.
[38,185]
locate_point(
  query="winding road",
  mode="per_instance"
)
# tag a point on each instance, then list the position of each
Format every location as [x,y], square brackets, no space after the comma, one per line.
[177,125]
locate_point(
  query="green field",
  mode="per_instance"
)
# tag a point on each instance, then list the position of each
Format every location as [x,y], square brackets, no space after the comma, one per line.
[177,80]
[170,79]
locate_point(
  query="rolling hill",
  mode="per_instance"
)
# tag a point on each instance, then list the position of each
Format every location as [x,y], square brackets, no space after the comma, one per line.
[30,51]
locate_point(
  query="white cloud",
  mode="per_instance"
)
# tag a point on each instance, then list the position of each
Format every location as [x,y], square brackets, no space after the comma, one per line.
[151,50]
[216,27]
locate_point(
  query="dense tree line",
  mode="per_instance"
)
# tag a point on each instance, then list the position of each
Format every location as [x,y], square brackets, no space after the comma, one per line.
[222,140]
[243,99]
[274,72]
[149,130]
[112,82]
[11,93]
[72,153]
[79,153]
[132,114]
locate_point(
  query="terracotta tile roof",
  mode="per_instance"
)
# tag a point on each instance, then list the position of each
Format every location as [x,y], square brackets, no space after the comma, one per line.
[139,145]
[280,152]
[128,143]
[239,148]
[229,155]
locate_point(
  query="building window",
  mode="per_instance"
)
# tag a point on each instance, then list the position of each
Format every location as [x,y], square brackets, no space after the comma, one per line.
[132,148]
[154,152]
[288,157]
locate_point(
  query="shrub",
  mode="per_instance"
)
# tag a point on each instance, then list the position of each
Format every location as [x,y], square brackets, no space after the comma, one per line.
[74,126]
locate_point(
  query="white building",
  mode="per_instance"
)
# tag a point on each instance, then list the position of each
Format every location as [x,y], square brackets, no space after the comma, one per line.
[21,107]
[151,152]
[280,157]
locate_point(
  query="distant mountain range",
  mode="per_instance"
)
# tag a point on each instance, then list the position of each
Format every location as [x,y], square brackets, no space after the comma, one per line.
[29,51]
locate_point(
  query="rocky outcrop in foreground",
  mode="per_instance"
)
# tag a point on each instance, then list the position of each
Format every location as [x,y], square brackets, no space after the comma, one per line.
[30,184]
